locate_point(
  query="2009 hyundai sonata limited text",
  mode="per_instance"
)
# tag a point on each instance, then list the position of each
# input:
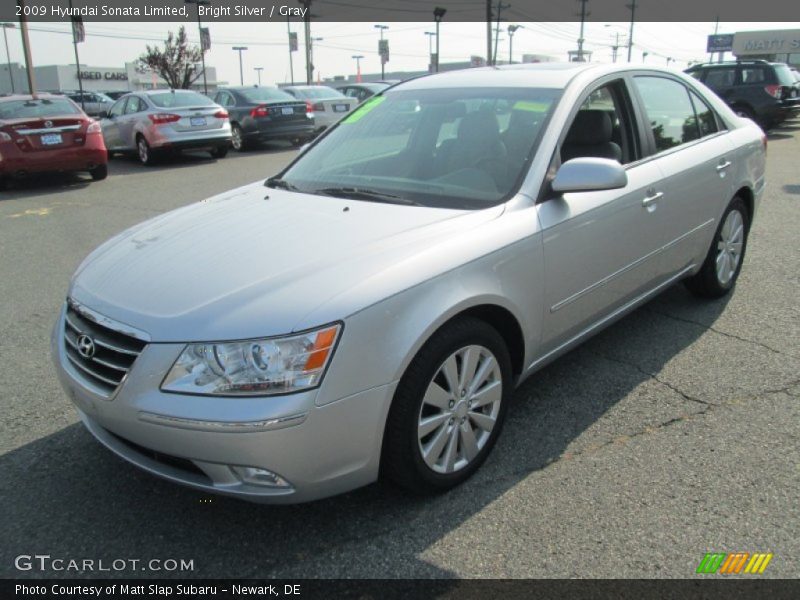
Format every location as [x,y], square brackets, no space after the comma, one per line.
[369,310]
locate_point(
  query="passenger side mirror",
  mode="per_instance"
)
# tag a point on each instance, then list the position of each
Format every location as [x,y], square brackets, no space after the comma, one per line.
[589,174]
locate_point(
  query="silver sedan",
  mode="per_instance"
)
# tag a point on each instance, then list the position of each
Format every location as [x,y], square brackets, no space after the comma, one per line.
[151,122]
[369,310]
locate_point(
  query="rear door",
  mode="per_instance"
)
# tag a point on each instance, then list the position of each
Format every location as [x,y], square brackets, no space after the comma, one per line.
[600,247]
[723,80]
[126,123]
[695,156]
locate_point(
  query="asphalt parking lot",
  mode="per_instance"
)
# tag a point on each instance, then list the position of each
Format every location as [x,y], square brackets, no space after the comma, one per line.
[674,433]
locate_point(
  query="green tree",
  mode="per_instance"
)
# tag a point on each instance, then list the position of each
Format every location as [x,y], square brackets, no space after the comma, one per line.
[175,63]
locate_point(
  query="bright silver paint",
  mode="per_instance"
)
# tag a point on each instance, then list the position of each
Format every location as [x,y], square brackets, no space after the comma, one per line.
[562,268]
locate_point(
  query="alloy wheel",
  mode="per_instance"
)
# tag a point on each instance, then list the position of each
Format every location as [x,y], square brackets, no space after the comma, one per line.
[144,151]
[236,139]
[460,408]
[729,247]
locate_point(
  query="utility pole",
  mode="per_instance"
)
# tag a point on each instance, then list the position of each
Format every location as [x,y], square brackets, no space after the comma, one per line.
[511,30]
[203,48]
[258,70]
[240,49]
[489,33]
[500,7]
[615,48]
[307,25]
[291,49]
[438,14]
[75,40]
[383,62]
[632,6]
[358,58]
[580,37]
[26,47]
[6,27]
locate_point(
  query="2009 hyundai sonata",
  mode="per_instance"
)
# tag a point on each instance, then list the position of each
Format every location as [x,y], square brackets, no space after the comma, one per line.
[369,310]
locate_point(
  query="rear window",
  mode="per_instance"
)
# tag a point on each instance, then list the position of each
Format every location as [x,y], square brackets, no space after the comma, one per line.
[265,95]
[42,107]
[318,93]
[180,100]
[785,76]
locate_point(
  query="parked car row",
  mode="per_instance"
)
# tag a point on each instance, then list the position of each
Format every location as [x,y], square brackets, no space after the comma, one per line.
[760,90]
[51,132]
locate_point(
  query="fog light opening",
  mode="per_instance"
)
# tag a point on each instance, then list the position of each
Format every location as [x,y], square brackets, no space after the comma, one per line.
[260,477]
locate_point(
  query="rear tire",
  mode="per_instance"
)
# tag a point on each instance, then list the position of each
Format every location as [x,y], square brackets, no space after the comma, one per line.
[144,152]
[219,152]
[99,173]
[724,260]
[458,385]
[237,138]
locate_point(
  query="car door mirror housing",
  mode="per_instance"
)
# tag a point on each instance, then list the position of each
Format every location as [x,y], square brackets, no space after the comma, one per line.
[588,174]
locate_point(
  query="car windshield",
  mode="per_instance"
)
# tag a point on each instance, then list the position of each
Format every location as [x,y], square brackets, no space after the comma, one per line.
[452,148]
[180,99]
[784,74]
[318,93]
[265,95]
[42,107]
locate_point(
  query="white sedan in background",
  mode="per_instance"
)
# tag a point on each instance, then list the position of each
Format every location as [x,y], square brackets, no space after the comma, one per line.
[329,105]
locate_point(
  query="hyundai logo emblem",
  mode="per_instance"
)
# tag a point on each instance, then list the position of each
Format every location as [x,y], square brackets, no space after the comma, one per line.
[48,124]
[85,346]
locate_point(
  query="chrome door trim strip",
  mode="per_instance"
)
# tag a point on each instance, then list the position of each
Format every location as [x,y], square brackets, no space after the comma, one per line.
[610,317]
[570,299]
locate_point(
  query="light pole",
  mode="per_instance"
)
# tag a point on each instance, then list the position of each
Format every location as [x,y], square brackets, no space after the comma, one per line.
[431,35]
[382,28]
[258,70]
[511,30]
[438,15]
[200,3]
[6,27]
[240,49]
[632,6]
[311,57]
[644,55]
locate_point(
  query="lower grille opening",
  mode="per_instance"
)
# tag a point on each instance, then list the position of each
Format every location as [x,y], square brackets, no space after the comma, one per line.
[182,464]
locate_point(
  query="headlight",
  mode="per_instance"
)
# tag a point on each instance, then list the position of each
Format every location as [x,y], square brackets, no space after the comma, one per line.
[254,367]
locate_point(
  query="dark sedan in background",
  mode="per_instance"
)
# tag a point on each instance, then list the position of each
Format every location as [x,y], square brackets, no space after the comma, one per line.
[259,114]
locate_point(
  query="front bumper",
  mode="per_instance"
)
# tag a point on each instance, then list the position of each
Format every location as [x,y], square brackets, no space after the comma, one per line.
[196,440]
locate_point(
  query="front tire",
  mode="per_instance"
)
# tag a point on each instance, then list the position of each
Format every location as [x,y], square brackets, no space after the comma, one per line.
[449,408]
[723,262]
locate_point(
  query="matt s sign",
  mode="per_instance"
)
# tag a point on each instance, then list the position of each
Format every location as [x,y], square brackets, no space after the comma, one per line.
[108,75]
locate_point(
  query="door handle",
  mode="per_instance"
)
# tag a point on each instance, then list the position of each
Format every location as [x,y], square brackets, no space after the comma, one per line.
[724,165]
[652,198]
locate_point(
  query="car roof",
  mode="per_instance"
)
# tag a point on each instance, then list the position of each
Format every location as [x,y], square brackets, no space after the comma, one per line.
[38,96]
[162,90]
[304,87]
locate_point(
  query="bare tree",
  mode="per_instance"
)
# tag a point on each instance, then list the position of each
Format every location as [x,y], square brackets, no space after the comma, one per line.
[175,63]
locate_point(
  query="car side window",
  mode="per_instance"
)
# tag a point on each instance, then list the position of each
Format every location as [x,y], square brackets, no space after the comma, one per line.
[118,108]
[753,75]
[669,111]
[706,119]
[133,105]
[721,77]
[601,128]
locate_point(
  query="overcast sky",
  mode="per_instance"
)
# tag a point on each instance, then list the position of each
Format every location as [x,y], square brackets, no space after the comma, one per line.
[113,44]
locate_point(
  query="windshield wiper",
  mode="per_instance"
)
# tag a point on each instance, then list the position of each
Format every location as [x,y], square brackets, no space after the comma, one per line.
[355,193]
[277,182]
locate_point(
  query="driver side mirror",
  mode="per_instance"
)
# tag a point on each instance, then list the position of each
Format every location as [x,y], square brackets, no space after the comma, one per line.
[588,174]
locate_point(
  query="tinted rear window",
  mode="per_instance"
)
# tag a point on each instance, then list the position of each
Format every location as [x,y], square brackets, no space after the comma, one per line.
[265,95]
[180,100]
[784,74]
[43,107]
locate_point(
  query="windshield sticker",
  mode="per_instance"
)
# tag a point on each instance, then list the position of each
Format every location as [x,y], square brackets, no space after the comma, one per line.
[531,106]
[363,109]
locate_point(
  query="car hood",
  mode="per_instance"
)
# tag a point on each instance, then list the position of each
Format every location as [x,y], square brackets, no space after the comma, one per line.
[254,261]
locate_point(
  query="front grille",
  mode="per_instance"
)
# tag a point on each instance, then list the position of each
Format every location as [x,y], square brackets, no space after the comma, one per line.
[110,353]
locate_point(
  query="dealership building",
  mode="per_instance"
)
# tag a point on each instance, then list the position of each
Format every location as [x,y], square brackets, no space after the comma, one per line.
[779,45]
[99,79]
